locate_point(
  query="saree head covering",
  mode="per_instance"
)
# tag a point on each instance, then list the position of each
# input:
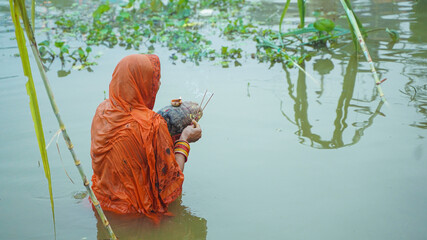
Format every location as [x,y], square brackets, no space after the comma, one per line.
[134,167]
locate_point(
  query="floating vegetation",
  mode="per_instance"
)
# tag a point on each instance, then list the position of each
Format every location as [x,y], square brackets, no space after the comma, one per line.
[187,28]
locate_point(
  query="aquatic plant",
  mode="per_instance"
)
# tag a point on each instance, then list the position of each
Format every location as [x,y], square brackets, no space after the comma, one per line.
[358,33]
[186,28]
[350,24]
[18,12]
[142,25]
[301,9]
[15,11]
[285,10]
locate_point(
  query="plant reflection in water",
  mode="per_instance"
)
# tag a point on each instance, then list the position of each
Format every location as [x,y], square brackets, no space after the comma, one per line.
[301,118]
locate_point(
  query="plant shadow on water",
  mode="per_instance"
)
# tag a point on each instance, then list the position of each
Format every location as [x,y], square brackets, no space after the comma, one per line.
[301,117]
[183,225]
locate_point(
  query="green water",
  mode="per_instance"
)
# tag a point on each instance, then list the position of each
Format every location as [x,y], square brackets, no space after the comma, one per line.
[281,157]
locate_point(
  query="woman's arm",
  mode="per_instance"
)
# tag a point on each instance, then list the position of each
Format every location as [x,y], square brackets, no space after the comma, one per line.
[180,159]
[190,134]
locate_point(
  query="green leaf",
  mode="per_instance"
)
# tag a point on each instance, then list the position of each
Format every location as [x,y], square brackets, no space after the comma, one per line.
[81,53]
[283,15]
[395,36]
[44,43]
[104,31]
[100,10]
[64,49]
[42,51]
[156,5]
[324,25]
[17,11]
[224,51]
[59,44]
[124,15]
[128,5]
[347,5]
[83,28]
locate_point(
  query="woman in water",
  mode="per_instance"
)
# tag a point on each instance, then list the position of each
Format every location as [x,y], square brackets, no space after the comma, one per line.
[137,168]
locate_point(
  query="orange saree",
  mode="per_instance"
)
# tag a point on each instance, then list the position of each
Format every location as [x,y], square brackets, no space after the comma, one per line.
[133,161]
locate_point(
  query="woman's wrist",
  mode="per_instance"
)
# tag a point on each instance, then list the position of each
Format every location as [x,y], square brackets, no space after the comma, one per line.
[182,147]
[183,137]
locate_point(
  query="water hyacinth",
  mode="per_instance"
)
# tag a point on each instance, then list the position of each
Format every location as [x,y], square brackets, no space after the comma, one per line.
[186,28]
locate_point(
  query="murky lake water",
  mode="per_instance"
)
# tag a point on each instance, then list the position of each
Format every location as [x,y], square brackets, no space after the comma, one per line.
[280,158]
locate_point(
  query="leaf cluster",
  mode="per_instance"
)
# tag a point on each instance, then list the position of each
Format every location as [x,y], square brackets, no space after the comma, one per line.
[180,26]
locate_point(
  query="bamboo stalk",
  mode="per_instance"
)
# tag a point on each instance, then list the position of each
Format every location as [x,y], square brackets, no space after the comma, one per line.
[34,107]
[30,36]
[362,43]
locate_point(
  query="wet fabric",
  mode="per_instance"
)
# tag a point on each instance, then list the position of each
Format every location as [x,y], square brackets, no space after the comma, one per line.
[134,167]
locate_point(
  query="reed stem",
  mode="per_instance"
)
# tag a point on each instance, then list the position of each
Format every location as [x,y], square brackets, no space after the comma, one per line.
[33,103]
[362,43]
[31,38]
[301,9]
[285,9]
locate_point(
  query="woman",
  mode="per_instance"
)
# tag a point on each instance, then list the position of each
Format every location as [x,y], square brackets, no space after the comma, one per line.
[136,167]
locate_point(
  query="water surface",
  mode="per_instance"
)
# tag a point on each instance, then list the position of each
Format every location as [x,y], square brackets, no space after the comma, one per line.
[281,157]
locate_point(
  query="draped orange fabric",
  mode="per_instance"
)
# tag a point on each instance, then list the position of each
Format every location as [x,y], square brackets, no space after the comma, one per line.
[134,166]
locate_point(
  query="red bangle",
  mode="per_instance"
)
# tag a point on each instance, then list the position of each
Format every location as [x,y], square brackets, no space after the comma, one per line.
[182,147]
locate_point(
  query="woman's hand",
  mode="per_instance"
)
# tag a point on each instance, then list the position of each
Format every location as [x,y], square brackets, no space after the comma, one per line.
[192,133]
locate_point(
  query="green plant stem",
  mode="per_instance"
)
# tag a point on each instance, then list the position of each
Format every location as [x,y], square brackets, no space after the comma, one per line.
[33,14]
[266,43]
[362,43]
[34,106]
[359,24]
[86,183]
[70,144]
[283,16]
[301,9]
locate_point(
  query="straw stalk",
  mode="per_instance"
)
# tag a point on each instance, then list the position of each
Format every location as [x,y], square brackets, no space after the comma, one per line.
[34,106]
[20,11]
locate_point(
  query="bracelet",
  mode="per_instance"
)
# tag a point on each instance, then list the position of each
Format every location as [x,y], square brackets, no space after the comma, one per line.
[182,147]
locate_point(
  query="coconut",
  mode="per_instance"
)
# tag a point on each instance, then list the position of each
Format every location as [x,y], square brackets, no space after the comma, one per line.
[179,116]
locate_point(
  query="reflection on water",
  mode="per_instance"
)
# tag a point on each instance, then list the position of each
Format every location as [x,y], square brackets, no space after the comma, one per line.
[417,94]
[183,225]
[416,87]
[408,17]
[301,118]
[323,67]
